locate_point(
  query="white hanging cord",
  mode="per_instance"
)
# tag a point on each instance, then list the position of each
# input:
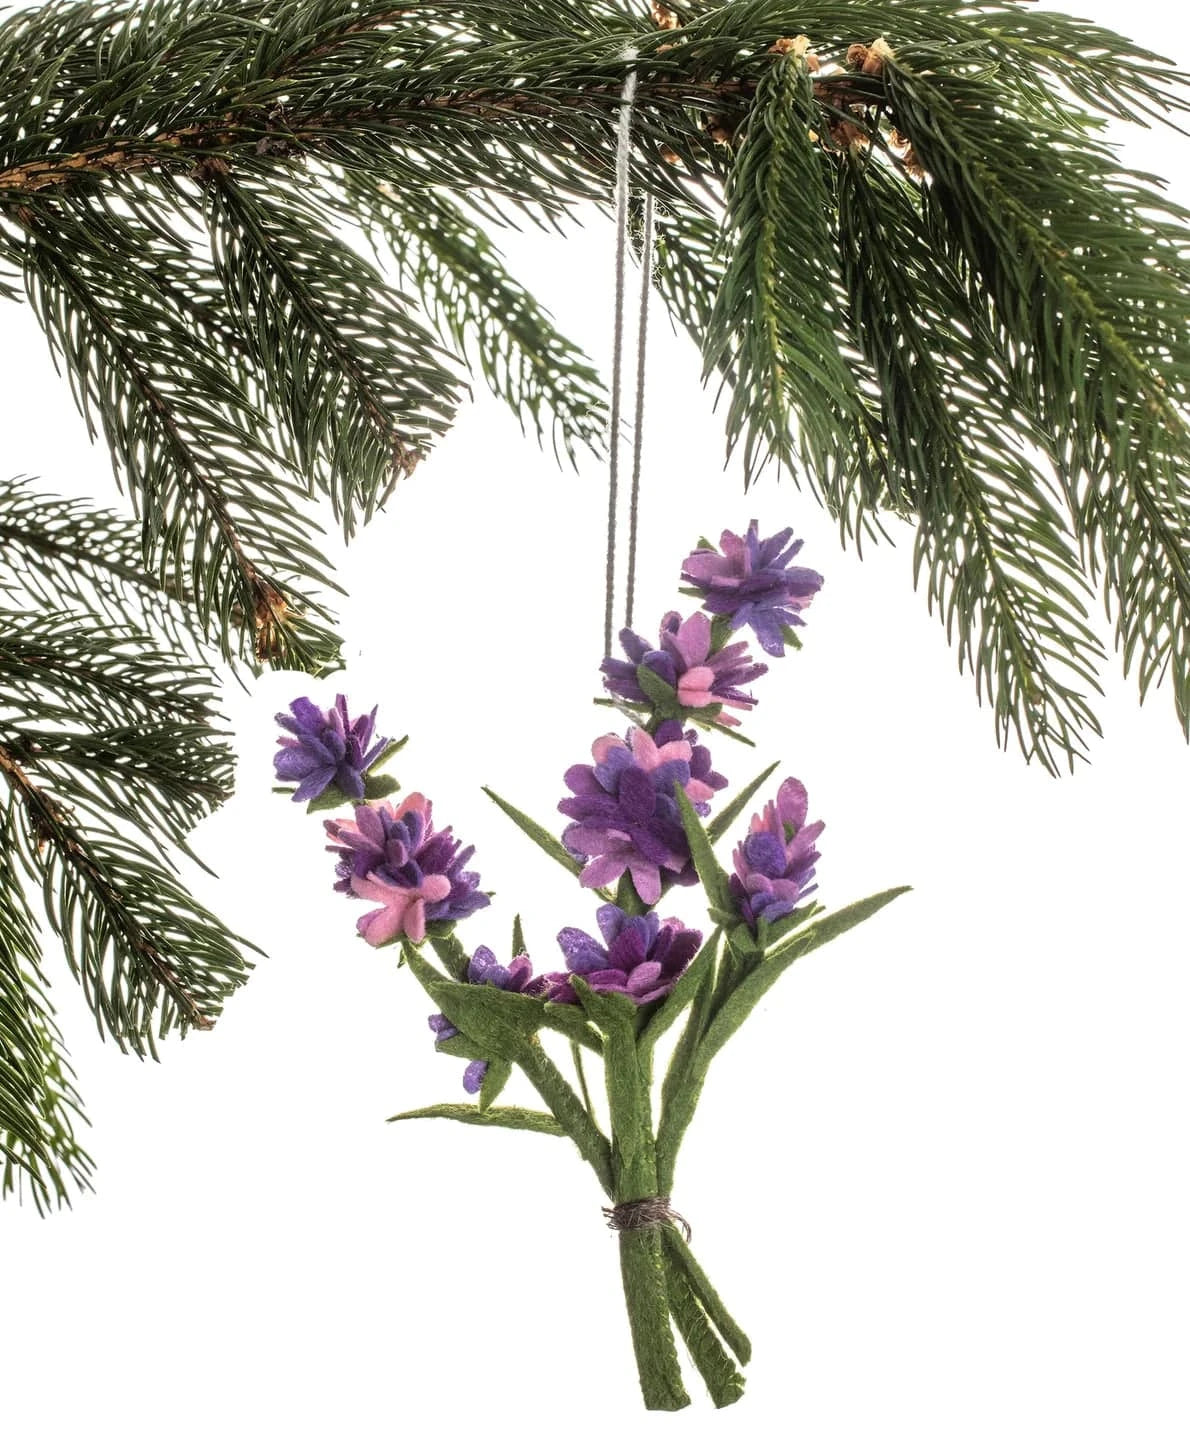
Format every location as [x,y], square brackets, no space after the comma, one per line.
[623,153]
[638,426]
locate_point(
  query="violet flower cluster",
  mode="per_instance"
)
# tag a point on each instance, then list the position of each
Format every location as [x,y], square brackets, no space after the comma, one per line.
[641,957]
[325,748]
[483,970]
[684,659]
[751,580]
[625,813]
[391,854]
[774,863]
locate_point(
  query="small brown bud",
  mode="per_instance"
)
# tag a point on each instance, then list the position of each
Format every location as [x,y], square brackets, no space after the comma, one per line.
[663,17]
[798,46]
[844,134]
[669,156]
[272,612]
[206,168]
[878,52]
[856,56]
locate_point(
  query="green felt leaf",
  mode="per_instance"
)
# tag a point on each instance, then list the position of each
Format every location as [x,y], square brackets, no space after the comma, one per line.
[552,847]
[628,899]
[388,752]
[494,1082]
[662,695]
[721,632]
[503,1023]
[331,799]
[768,933]
[710,873]
[518,938]
[757,982]
[725,818]
[379,787]
[669,1009]
[524,1118]
[459,1046]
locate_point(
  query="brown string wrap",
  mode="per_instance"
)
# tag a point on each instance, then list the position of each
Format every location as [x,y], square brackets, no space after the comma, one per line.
[641,1213]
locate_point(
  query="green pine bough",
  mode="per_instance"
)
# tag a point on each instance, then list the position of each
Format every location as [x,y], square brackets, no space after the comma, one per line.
[919,275]
[641,821]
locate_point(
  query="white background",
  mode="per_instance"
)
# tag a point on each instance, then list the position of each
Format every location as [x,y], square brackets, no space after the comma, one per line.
[941,1177]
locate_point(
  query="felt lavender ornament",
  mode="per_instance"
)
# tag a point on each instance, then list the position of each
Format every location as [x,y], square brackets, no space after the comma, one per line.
[643,818]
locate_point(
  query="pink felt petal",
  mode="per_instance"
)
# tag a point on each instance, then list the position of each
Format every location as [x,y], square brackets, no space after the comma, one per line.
[647,880]
[694,639]
[604,746]
[602,871]
[379,928]
[792,802]
[415,921]
[644,750]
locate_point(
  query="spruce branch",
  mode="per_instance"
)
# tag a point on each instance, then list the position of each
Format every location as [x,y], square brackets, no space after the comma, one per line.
[1000,560]
[362,386]
[184,436]
[480,310]
[1085,307]
[149,956]
[40,1109]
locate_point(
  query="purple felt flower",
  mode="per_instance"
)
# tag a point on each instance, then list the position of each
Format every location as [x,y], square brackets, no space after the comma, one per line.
[625,814]
[324,748]
[751,580]
[642,957]
[484,970]
[684,660]
[392,855]
[774,863]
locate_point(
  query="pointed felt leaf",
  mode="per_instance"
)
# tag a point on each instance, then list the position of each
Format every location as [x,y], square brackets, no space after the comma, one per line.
[518,937]
[378,787]
[503,1023]
[460,1045]
[524,1118]
[744,998]
[494,1082]
[388,752]
[710,873]
[537,834]
[670,1008]
[662,695]
[725,818]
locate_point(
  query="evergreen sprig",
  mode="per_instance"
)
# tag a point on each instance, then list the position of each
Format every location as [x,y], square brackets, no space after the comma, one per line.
[917,272]
[39,1103]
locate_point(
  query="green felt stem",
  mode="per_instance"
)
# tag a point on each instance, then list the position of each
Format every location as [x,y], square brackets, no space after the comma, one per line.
[560,1098]
[681,1087]
[682,1261]
[724,1382]
[576,1054]
[643,1273]
[634,1165]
